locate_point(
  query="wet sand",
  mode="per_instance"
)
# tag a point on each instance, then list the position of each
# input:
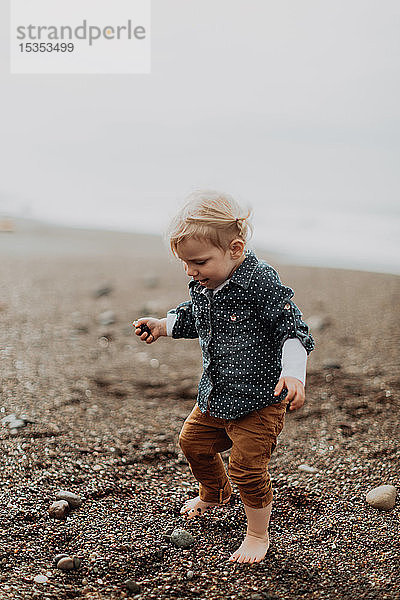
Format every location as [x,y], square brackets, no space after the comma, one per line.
[107,410]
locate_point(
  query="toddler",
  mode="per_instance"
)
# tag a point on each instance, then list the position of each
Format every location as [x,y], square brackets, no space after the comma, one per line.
[254,346]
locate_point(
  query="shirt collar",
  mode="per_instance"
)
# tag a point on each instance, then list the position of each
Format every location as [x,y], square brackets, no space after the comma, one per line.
[243,274]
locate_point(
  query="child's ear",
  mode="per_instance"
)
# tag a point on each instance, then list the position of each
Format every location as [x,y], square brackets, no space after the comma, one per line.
[236,248]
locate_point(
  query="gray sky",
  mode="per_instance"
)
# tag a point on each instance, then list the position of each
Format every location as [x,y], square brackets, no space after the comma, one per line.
[291,106]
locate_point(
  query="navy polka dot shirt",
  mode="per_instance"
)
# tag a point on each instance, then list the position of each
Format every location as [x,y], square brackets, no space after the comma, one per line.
[241,330]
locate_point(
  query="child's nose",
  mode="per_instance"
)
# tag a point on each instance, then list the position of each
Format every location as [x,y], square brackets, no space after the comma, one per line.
[191,271]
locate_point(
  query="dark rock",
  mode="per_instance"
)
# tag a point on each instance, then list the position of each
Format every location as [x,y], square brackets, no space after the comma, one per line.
[58,557]
[133,586]
[104,290]
[331,363]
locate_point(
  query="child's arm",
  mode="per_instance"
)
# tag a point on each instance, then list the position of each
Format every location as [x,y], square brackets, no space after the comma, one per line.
[179,323]
[281,313]
[290,333]
[293,374]
[184,325]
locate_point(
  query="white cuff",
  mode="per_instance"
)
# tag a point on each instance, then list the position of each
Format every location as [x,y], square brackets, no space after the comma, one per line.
[171,318]
[294,360]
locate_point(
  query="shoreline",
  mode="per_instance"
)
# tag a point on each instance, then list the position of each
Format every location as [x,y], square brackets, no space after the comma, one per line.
[92,240]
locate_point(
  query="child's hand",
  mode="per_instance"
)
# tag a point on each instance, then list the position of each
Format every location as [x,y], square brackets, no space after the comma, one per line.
[158,327]
[296,392]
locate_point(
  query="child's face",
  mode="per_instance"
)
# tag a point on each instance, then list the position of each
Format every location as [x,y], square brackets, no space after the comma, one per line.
[208,264]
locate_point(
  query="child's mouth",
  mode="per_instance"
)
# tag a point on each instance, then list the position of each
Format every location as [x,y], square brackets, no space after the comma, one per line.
[203,281]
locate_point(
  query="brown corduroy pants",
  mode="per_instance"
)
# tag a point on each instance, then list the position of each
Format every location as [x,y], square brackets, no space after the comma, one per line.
[252,439]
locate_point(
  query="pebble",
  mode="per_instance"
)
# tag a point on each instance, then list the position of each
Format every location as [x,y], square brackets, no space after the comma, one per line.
[73,499]
[182,538]
[106,318]
[331,363]
[382,497]
[59,509]
[81,327]
[104,290]
[13,421]
[8,418]
[40,579]
[80,324]
[317,322]
[189,575]
[307,469]
[133,586]
[16,424]
[58,557]
[68,563]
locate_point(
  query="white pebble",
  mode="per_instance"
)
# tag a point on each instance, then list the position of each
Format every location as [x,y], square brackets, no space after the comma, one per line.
[40,579]
[307,469]
[154,363]
[73,499]
[382,497]
[106,318]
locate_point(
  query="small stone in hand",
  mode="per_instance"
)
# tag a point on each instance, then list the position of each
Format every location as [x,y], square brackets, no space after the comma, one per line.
[143,329]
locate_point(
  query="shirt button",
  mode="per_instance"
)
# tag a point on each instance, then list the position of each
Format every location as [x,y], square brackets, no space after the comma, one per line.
[233,317]
[287,306]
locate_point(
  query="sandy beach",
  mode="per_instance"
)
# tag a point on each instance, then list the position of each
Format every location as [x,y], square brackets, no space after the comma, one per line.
[101,414]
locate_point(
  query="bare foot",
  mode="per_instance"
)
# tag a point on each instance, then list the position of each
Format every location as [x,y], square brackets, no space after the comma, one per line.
[196,507]
[252,549]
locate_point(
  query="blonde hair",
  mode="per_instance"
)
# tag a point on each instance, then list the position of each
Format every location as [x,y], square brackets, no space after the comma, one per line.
[212,216]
